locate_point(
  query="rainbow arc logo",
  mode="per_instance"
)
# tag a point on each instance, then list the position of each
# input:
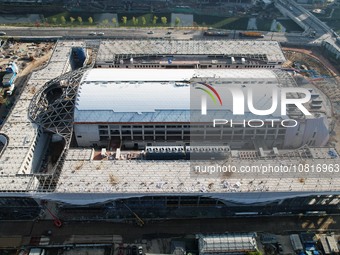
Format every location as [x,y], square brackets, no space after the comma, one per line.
[207,88]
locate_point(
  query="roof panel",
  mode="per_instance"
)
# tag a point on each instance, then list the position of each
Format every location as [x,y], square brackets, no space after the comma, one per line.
[142,95]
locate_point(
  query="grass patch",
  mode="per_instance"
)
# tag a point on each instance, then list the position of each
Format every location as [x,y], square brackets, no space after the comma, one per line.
[264,24]
[290,25]
[226,22]
[221,22]
[234,23]
[336,14]
[333,22]
[207,20]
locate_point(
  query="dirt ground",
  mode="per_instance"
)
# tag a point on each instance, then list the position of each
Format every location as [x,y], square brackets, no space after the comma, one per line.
[317,61]
[36,63]
[23,53]
[28,57]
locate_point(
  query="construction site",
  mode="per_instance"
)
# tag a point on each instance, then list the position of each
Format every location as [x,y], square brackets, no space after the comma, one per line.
[317,70]
[68,156]
[27,57]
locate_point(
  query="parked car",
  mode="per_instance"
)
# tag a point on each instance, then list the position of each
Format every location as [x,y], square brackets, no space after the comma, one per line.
[140,250]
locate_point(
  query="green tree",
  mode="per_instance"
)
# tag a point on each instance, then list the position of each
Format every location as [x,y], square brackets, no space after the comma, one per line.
[124,20]
[143,21]
[134,21]
[80,19]
[154,20]
[177,21]
[54,20]
[105,22]
[278,27]
[62,20]
[90,20]
[114,21]
[164,20]
[72,19]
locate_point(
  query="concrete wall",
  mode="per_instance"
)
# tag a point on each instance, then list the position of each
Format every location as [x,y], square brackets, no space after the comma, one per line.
[313,132]
[86,135]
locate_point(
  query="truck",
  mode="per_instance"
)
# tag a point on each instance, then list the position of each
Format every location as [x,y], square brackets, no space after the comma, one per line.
[12,67]
[215,33]
[251,34]
[8,79]
[10,75]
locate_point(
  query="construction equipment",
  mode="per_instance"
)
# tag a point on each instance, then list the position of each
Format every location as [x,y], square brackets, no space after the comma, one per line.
[252,34]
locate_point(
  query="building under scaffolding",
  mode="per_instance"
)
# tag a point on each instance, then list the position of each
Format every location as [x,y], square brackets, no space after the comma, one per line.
[40,169]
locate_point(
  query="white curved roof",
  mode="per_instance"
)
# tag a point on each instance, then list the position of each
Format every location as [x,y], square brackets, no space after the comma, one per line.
[161,95]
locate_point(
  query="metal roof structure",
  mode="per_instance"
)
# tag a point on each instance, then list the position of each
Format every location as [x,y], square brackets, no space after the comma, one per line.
[146,95]
[16,157]
[227,243]
[266,51]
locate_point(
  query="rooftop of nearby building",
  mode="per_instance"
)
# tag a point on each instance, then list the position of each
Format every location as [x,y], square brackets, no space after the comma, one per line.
[83,174]
[268,51]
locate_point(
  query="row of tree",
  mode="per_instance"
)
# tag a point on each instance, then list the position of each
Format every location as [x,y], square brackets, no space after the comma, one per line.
[135,21]
[63,20]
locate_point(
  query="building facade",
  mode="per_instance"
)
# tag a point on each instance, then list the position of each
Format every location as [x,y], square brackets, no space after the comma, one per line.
[162,107]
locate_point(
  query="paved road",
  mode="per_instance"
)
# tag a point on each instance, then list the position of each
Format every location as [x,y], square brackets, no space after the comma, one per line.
[85,32]
[131,232]
[295,38]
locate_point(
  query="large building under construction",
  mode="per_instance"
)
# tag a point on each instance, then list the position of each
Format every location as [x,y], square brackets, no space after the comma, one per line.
[111,139]
[136,108]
